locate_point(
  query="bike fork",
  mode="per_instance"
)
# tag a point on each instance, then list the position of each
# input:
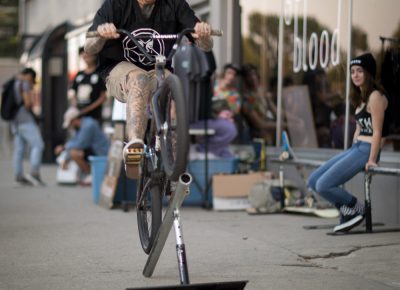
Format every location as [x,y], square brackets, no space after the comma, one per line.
[180,249]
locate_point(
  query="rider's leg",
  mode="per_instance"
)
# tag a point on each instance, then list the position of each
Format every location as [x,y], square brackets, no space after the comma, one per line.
[138,91]
[132,85]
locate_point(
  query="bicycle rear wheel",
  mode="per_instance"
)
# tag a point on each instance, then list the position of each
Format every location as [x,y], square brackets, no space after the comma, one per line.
[148,201]
[174,139]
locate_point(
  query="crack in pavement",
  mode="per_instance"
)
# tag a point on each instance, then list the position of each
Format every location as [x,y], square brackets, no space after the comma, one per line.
[344,253]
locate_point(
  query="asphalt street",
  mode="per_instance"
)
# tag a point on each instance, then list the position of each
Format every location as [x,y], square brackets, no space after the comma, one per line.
[55,237]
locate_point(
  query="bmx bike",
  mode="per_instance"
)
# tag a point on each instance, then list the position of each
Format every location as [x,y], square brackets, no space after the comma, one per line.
[166,140]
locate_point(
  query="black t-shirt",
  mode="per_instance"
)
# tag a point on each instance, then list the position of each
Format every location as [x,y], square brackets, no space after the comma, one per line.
[88,88]
[167,17]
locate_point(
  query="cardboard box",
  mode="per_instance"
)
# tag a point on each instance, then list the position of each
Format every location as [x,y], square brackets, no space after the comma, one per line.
[237,185]
[230,203]
[230,192]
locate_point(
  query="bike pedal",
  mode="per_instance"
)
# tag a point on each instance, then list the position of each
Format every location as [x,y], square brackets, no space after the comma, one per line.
[133,156]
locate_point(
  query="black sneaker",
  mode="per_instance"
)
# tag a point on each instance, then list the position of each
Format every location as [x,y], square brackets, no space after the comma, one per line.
[22,181]
[350,217]
[35,180]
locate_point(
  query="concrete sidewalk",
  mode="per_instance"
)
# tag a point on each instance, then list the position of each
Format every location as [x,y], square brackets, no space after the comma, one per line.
[56,238]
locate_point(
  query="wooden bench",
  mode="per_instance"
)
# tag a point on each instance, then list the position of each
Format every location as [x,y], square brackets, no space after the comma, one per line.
[367,184]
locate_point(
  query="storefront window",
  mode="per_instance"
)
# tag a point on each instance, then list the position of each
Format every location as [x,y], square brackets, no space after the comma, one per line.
[379,28]
[314,59]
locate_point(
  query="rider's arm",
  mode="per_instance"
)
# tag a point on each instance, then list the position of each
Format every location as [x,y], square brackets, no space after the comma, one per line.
[187,18]
[96,44]
[102,22]
[202,36]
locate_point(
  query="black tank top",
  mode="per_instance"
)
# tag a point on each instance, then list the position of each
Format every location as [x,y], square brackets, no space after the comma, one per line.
[364,119]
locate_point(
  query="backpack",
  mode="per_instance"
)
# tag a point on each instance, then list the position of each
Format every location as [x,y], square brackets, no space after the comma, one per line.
[9,104]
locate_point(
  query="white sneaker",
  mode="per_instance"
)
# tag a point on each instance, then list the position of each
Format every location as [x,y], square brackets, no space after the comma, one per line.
[35,180]
[87,180]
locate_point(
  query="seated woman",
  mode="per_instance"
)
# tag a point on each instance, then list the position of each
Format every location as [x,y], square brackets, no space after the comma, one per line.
[370,104]
[226,105]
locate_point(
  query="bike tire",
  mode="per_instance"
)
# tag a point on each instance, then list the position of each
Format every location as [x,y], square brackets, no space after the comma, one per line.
[149,214]
[149,208]
[174,141]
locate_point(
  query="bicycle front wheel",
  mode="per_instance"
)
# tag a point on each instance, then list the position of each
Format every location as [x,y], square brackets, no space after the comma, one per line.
[148,207]
[174,139]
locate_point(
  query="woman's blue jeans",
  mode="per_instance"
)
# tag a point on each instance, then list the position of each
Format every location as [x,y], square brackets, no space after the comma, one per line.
[328,178]
[27,134]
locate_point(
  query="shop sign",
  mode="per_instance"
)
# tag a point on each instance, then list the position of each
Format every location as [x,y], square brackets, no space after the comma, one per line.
[322,49]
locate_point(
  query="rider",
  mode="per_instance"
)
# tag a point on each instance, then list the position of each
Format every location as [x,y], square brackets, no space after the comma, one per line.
[129,76]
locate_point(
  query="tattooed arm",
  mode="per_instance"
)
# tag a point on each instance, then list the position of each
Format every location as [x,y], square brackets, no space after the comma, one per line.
[95,45]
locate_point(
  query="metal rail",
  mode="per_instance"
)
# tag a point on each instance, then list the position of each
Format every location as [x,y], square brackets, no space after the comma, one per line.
[171,216]
[367,183]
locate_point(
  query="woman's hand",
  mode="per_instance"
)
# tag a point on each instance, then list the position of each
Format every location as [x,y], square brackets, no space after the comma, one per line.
[370,164]
[108,31]
[226,114]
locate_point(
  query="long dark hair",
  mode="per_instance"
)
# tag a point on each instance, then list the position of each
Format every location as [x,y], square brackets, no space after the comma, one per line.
[370,84]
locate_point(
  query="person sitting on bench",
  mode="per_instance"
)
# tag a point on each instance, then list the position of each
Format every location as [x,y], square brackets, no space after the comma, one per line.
[88,140]
[370,103]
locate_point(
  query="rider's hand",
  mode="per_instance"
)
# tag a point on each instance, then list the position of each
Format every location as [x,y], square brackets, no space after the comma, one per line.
[202,30]
[108,31]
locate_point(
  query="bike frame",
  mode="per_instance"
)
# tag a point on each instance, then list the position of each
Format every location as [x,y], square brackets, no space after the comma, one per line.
[159,67]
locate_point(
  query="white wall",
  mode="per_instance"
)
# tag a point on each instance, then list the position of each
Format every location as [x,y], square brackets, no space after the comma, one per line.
[41,14]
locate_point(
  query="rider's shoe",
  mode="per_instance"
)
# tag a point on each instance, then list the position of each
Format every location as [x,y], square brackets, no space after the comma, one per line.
[132,153]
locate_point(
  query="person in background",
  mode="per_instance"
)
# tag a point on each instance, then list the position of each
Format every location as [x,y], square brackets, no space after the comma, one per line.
[226,100]
[88,91]
[26,131]
[226,106]
[321,102]
[258,107]
[370,102]
[88,140]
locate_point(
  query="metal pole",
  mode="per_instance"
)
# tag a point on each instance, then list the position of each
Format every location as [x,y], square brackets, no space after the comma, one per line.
[180,250]
[282,186]
[349,38]
[280,76]
[368,209]
[177,198]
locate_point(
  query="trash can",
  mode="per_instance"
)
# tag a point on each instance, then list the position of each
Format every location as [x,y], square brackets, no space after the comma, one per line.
[98,166]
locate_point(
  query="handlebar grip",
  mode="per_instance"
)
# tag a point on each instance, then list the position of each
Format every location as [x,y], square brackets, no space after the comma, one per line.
[90,34]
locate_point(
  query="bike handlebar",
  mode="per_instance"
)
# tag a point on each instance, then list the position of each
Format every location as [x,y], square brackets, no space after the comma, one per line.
[214,32]
[177,37]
